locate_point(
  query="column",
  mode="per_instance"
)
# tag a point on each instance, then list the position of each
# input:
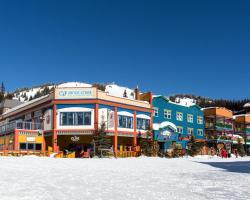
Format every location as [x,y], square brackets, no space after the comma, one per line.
[54,135]
[135,136]
[115,132]
[96,116]
[16,142]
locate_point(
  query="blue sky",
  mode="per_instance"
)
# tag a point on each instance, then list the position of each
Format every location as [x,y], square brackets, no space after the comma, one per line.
[168,47]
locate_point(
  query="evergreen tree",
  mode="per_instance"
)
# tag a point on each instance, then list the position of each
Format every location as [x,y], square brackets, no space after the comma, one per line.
[2,90]
[194,146]
[149,147]
[240,148]
[9,96]
[102,141]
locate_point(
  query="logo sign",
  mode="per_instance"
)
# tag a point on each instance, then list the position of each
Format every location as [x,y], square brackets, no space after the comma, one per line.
[75,138]
[75,93]
[30,139]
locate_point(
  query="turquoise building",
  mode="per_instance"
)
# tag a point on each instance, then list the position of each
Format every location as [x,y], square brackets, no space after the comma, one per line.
[174,122]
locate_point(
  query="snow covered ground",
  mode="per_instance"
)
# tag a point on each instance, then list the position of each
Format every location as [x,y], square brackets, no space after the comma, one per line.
[33,178]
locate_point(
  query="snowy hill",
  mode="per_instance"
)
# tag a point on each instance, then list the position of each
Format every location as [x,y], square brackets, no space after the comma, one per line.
[27,94]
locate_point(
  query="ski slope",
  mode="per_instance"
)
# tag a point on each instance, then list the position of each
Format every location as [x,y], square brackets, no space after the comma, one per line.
[33,178]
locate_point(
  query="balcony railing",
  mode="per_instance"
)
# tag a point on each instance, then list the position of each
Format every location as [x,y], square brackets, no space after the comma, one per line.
[17,125]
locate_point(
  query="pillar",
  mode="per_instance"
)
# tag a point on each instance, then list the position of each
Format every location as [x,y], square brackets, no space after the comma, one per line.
[16,142]
[96,116]
[54,135]
[115,132]
[135,136]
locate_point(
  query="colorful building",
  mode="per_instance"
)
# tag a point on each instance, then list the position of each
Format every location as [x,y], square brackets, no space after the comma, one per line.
[176,123]
[218,127]
[70,116]
[242,128]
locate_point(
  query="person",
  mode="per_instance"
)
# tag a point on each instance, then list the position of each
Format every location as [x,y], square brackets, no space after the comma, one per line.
[236,153]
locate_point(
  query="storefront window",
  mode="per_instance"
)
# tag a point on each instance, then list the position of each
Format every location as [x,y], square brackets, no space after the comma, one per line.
[142,124]
[22,146]
[125,121]
[75,118]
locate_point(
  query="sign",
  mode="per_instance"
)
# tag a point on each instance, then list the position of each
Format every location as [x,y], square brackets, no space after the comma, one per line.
[30,139]
[75,93]
[75,138]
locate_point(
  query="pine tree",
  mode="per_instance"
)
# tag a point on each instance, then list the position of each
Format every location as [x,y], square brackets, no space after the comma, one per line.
[149,147]
[240,148]
[2,90]
[125,94]
[194,147]
[102,141]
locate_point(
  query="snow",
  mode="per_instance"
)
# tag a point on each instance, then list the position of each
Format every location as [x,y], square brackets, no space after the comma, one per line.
[132,178]
[73,85]
[185,101]
[118,91]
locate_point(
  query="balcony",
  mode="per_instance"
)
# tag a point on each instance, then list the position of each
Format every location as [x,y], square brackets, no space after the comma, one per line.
[17,125]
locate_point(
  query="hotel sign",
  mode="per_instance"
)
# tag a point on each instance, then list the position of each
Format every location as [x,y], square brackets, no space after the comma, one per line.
[75,93]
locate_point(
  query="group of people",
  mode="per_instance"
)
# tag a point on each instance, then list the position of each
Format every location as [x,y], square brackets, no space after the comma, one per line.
[225,154]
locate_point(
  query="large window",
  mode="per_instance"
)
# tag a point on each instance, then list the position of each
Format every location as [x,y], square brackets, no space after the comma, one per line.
[179,116]
[190,118]
[200,132]
[199,120]
[179,129]
[142,124]
[156,112]
[190,131]
[167,114]
[75,118]
[125,121]
[30,146]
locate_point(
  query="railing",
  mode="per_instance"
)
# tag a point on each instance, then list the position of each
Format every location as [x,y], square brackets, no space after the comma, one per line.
[11,126]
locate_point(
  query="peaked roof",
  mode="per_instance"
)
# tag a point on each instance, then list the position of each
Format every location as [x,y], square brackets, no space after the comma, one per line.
[10,103]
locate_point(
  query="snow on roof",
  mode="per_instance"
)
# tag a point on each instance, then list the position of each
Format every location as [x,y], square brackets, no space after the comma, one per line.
[25,104]
[73,84]
[119,91]
[247,105]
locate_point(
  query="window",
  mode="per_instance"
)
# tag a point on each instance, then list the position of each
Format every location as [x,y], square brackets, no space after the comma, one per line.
[30,146]
[75,118]
[199,120]
[190,118]
[179,129]
[179,116]
[200,132]
[22,146]
[156,112]
[190,131]
[38,147]
[167,114]
[142,124]
[125,121]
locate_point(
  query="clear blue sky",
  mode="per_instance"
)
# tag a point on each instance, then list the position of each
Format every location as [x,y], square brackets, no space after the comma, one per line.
[199,47]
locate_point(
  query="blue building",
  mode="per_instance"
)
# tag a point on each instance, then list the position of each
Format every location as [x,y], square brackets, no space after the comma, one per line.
[176,123]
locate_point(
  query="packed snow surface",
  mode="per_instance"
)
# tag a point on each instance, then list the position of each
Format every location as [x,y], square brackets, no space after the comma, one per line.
[198,178]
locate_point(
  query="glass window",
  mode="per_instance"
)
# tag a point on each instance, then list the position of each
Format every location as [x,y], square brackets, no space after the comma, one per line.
[22,146]
[190,118]
[179,129]
[125,121]
[179,116]
[190,131]
[30,146]
[38,147]
[199,120]
[87,118]
[156,112]
[75,118]
[200,132]
[167,114]
[142,124]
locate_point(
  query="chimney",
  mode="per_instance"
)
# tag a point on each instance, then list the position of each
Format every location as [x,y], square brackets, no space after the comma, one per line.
[137,93]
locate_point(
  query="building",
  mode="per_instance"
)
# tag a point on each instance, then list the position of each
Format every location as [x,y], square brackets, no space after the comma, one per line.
[218,127]
[70,116]
[174,122]
[7,104]
[242,128]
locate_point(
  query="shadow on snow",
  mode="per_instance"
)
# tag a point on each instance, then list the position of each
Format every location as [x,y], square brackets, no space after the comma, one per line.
[237,167]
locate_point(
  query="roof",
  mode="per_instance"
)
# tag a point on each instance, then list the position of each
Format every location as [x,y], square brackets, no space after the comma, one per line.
[166,99]
[10,103]
[247,105]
